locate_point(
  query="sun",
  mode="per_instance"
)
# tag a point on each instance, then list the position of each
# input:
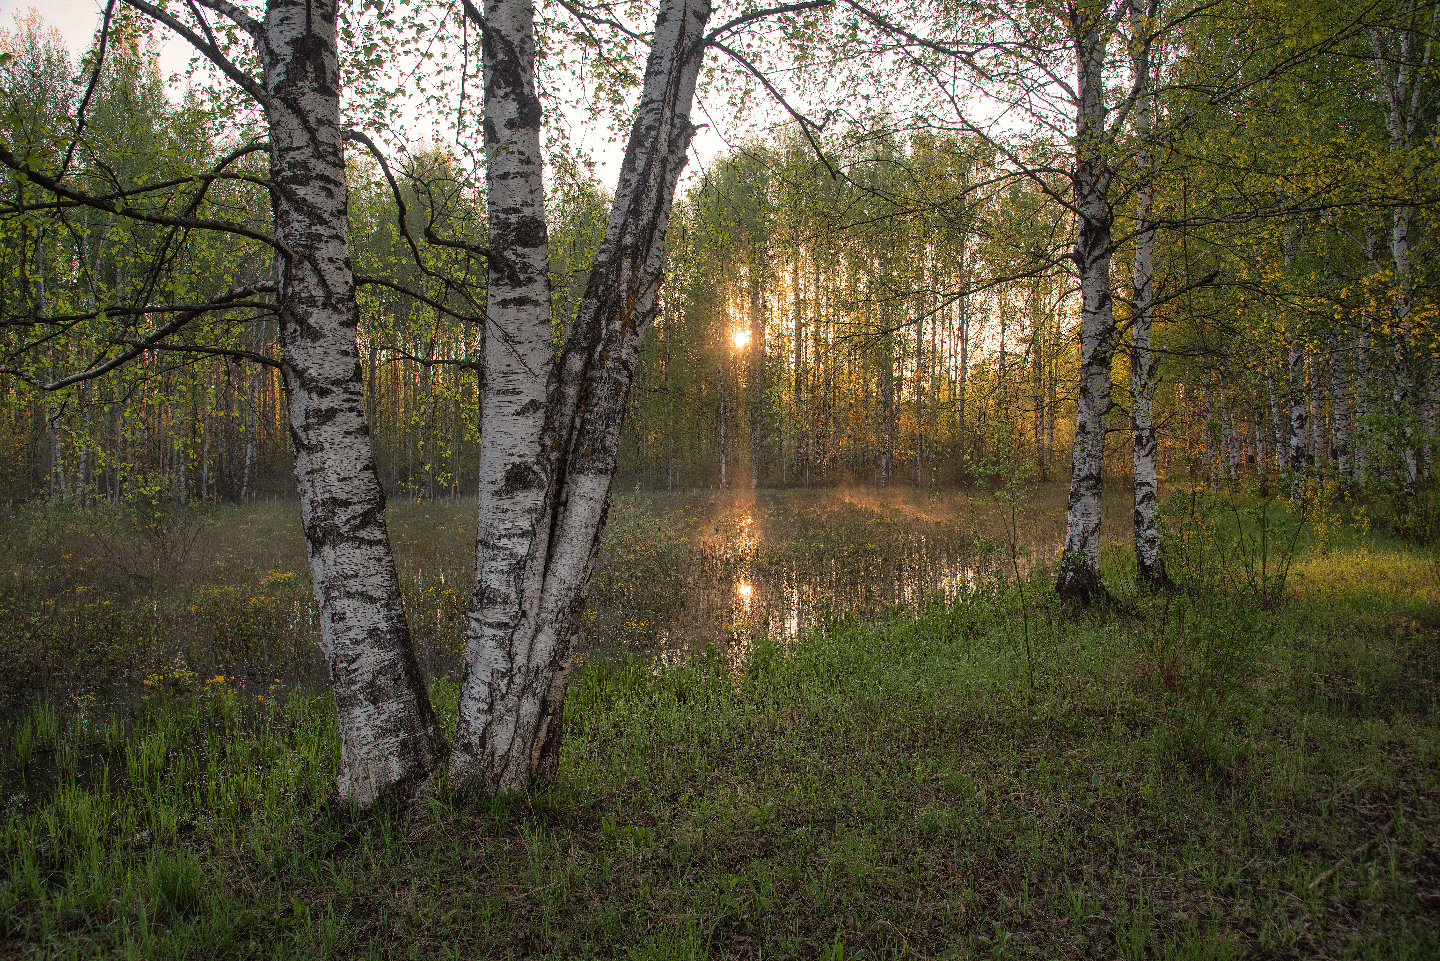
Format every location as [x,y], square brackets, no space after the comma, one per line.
[740,337]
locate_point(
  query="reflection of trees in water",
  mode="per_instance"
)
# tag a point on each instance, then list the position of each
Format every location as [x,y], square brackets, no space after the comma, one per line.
[750,569]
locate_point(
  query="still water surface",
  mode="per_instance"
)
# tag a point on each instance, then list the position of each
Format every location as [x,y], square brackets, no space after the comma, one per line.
[682,571]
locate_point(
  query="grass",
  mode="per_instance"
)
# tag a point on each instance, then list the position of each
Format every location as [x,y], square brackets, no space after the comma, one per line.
[1215,773]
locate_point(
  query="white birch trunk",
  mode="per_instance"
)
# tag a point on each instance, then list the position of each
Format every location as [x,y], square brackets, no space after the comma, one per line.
[755,368]
[1402,302]
[1298,456]
[722,416]
[1080,564]
[1144,375]
[551,479]
[1406,89]
[1340,394]
[388,737]
[252,377]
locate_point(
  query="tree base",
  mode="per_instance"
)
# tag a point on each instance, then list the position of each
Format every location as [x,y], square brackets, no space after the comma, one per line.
[1154,577]
[1080,583]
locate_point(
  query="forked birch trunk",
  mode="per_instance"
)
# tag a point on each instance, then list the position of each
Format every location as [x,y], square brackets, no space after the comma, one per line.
[552,430]
[1080,563]
[388,736]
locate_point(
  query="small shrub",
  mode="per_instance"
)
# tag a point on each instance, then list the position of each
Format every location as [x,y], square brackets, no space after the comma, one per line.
[175,883]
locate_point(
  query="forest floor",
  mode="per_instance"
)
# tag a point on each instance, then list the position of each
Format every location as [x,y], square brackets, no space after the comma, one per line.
[1246,767]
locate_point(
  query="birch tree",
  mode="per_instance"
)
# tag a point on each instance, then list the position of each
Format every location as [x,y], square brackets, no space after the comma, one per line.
[551,426]
[285,62]
[1149,562]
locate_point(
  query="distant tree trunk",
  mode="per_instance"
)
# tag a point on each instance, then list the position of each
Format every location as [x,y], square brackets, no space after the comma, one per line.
[669,408]
[1277,422]
[1340,392]
[1402,390]
[82,470]
[1052,403]
[798,373]
[252,385]
[1212,434]
[1405,54]
[755,370]
[1298,458]
[722,414]
[1037,393]
[964,373]
[1366,391]
[887,414]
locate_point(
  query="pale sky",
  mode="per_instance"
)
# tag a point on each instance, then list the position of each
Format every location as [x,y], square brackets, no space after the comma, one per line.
[77,21]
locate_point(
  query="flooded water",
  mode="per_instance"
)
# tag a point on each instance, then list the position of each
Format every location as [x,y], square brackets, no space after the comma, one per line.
[89,617]
[680,572]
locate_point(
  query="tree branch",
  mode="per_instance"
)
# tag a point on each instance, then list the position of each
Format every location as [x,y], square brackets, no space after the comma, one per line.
[235,14]
[806,124]
[212,51]
[427,301]
[89,89]
[99,367]
[763,14]
[190,223]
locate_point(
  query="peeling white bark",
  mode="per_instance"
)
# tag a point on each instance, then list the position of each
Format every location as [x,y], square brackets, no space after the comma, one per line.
[1080,563]
[1144,375]
[388,736]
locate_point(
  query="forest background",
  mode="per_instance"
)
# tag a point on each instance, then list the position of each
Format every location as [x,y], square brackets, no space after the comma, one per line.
[889,299]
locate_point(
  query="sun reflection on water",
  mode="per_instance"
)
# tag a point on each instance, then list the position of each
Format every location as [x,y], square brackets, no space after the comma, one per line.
[737,567]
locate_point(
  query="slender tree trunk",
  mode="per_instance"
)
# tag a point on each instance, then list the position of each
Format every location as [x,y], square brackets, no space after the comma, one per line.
[1298,456]
[669,409]
[1365,388]
[1277,423]
[722,415]
[964,375]
[756,370]
[1402,390]
[1344,414]
[252,384]
[1406,87]
[1144,375]
[887,414]
[802,419]
[388,736]
[1080,564]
